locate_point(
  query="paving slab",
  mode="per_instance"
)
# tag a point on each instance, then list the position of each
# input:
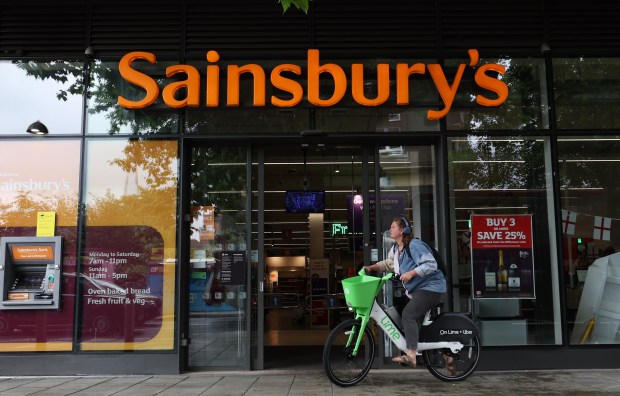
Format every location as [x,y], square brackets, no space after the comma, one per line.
[314,382]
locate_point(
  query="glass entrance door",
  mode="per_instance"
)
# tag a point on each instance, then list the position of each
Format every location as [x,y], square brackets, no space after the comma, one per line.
[311,232]
[407,187]
[218,259]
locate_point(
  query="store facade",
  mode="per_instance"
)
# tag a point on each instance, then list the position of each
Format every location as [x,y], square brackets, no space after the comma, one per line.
[208,165]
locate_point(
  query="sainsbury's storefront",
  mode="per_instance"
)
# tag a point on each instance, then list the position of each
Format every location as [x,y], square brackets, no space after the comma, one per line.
[175,132]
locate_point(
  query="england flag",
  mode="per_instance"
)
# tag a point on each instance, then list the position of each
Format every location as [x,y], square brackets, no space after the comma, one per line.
[602,228]
[569,219]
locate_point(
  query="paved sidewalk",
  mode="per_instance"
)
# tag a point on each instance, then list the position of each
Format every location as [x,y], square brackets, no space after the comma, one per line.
[314,382]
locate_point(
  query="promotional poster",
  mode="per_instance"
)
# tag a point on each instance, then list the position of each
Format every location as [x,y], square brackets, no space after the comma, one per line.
[502,256]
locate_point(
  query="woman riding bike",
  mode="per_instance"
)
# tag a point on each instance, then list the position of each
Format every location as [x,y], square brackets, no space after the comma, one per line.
[425,285]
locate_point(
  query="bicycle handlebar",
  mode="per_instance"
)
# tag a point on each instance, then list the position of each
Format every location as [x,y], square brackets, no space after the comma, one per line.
[384,279]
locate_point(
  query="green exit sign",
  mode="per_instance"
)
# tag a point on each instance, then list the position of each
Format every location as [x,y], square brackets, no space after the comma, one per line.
[339,229]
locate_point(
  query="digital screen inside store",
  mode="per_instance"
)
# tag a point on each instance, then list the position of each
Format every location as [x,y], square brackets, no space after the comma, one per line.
[305,201]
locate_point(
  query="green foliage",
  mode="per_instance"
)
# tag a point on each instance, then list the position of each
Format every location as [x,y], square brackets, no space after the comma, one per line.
[300,4]
[485,163]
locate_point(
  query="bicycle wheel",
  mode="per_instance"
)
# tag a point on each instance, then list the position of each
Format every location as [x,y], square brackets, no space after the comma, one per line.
[448,366]
[341,367]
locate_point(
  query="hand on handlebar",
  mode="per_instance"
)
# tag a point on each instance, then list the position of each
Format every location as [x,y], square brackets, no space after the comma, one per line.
[364,270]
[367,270]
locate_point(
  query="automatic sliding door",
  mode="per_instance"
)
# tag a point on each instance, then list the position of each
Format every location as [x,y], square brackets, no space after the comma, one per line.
[312,231]
[218,295]
[407,188]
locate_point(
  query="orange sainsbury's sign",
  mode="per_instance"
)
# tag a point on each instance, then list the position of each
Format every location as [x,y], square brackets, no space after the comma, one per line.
[487,77]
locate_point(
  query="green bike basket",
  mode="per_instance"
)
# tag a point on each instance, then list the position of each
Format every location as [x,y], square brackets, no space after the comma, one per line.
[359,291]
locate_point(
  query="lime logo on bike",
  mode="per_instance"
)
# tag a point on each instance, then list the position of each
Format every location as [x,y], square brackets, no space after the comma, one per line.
[389,328]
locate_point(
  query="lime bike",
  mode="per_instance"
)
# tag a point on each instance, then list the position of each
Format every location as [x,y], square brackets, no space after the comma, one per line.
[448,346]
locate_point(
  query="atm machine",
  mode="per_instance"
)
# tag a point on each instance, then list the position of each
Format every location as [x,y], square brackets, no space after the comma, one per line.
[30,271]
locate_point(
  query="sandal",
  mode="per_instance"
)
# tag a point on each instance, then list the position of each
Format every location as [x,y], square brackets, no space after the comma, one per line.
[450,364]
[404,360]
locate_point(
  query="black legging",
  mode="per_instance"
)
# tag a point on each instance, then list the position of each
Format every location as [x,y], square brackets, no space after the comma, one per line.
[420,302]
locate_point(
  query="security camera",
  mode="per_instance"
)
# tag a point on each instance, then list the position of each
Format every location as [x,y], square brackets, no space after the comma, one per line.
[89,52]
[545,49]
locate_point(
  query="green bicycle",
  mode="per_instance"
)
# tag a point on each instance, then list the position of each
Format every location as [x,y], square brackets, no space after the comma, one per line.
[449,344]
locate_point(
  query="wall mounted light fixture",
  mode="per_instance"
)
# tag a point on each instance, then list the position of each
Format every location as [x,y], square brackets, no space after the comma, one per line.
[37,128]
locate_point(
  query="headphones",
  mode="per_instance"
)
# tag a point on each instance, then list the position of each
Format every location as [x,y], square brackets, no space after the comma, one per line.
[407,228]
